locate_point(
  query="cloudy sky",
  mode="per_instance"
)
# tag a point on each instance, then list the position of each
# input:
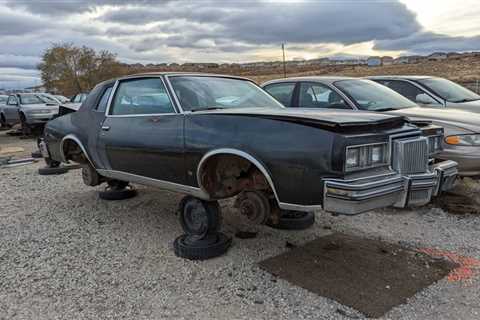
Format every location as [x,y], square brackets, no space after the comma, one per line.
[154,31]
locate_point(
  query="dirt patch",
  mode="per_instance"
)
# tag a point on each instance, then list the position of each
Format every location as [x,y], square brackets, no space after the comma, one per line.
[369,275]
[467,268]
[456,203]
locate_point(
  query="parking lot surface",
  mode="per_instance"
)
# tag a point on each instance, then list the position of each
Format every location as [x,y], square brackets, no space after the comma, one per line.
[67,254]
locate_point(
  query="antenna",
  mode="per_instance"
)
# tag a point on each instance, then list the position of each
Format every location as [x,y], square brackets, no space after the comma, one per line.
[284,65]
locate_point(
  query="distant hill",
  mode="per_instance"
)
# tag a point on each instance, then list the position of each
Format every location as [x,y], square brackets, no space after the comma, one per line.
[465,70]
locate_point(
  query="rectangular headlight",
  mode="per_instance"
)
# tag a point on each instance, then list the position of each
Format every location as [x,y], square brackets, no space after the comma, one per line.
[366,156]
[353,158]
[378,154]
[434,144]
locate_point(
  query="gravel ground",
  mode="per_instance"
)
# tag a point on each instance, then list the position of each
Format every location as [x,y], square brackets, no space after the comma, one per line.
[27,144]
[66,254]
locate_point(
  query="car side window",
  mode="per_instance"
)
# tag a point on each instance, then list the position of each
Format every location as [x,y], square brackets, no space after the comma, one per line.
[12,101]
[283,92]
[314,95]
[406,89]
[141,96]
[102,104]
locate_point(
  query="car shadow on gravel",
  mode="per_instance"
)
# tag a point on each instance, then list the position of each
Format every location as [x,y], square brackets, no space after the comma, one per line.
[368,275]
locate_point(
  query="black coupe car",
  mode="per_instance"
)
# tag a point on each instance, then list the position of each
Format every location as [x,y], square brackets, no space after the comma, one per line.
[213,137]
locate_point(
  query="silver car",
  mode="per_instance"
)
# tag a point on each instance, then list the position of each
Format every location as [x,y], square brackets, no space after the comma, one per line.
[49,98]
[462,128]
[3,101]
[432,92]
[76,101]
[29,109]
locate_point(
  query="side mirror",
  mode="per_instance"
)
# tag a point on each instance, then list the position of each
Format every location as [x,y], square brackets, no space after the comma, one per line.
[424,98]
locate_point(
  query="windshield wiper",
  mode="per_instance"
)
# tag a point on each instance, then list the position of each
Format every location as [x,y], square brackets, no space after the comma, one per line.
[384,109]
[464,100]
[207,108]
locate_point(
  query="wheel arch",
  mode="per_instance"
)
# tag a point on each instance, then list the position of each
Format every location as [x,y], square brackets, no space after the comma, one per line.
[239,153]
[69,139]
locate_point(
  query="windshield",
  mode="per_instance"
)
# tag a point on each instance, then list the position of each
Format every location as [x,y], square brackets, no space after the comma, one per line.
[200,92]
[30,99]
[48,99]
[369,95]
[3,99]
[62,99]
[449,90]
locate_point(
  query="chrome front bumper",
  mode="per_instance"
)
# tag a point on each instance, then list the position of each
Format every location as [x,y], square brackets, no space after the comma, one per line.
[364,194]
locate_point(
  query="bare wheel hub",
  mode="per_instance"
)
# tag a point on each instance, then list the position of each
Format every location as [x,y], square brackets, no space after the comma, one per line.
[254,205]
[90,176]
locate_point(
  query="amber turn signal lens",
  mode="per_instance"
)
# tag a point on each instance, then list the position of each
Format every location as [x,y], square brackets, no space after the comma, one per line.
[452,140]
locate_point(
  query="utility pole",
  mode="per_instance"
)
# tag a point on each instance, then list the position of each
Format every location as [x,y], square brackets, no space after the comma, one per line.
[284,65]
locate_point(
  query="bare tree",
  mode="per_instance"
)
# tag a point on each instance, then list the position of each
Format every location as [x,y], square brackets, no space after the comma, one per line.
[68,69]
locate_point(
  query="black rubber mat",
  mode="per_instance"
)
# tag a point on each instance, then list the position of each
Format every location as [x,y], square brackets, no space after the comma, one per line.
[368,275]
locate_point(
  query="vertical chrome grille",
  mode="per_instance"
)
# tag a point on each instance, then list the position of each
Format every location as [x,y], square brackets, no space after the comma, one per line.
[410,156]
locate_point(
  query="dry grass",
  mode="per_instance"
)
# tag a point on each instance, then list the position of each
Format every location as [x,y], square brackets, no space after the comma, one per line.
[461,70]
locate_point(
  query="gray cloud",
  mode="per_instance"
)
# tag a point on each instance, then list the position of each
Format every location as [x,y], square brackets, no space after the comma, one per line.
[18,61]
[18,78]
[209,30]
[18,23]
[202,11]
[269,23]
[427,42]
[69,7]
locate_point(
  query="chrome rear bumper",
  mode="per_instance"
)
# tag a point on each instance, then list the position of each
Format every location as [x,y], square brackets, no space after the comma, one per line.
[364,194]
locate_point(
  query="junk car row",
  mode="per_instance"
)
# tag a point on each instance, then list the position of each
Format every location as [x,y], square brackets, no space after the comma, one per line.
[283,149]
[343,145]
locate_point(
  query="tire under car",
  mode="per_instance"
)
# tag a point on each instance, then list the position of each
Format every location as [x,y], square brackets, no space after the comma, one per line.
[48,171]
[117,190]
[293,220]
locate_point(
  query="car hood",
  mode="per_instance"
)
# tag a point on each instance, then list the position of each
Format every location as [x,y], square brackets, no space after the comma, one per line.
[472,106]
[324,117]
[72,105]
[452,117]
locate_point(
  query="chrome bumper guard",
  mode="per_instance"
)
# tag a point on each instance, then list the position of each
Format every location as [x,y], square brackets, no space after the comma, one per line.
[356,196]
[447,172]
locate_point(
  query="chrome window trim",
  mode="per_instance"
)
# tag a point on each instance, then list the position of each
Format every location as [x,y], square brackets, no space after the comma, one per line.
[177,101]
[174,94]
[110,99]
[114,92]
[343,95]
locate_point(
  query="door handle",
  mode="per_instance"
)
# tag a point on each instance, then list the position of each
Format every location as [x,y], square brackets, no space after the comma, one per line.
[105,128]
